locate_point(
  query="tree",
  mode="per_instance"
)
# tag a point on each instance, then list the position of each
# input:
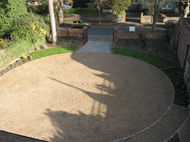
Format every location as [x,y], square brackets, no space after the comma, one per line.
[81,3]
[120,6]
[157,5]
[60,12]
[52,20]
[11,10]
[183,6]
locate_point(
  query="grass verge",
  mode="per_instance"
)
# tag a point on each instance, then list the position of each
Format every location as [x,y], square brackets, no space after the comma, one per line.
[155,60]
[53,51]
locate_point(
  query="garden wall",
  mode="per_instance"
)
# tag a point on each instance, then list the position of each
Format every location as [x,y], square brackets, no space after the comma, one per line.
[87,17]
[70,32]
[140,34]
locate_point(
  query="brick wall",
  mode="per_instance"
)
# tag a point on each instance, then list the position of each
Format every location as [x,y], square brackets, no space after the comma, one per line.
[70,32]
[142,34]
[183,38]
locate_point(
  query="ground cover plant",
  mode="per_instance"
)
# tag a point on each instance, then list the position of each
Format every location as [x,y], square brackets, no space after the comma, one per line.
[14,51]
[53,51]
[157,61]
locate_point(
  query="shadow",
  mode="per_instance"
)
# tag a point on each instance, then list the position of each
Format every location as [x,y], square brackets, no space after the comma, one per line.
[112,114]
[99,125]
[11,137]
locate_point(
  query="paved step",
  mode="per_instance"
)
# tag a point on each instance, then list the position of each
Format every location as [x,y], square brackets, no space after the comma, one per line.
[106,38]
[163,130]
[98,47]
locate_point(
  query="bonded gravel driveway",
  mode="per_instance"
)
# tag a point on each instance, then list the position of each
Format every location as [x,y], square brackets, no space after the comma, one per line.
[83,97]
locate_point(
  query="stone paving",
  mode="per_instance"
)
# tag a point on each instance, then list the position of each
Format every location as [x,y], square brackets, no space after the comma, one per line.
[98,47]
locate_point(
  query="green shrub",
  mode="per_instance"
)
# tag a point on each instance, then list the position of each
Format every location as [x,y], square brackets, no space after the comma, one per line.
[80,11]
[11,11]
[3,43]
[30,27]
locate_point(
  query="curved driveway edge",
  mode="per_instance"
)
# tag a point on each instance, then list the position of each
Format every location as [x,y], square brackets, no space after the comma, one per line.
[83,97]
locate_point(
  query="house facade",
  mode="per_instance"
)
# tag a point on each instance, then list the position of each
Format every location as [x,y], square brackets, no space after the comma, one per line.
[166,6]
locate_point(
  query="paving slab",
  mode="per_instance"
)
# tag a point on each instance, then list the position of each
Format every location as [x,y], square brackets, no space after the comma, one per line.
[97,47]
[83,97]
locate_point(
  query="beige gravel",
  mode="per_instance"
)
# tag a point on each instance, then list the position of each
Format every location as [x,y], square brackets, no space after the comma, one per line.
[83,97]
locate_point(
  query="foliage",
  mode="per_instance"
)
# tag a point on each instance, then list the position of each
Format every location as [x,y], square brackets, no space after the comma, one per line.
[39,9]
[15,50]
[153,59]
[11,11]
[80,3]
[53,51]
[3,43]
[80,11]
[30,27]
[120,6]
[182,5]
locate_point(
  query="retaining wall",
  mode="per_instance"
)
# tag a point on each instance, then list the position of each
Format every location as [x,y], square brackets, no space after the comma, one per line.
[70,32]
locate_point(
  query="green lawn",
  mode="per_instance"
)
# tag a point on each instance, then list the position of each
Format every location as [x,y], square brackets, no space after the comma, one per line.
[53,51]
[153,59]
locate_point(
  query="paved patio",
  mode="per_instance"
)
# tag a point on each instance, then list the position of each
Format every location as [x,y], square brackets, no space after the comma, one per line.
[92,97]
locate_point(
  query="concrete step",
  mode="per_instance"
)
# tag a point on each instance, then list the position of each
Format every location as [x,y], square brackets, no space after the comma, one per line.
[107,38]
[98,47]
[163,130]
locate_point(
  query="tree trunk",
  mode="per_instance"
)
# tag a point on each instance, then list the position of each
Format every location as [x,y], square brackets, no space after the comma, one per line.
[60,13]
[52,20]
[186,11]
[155,16]
[100,22]
[60,16]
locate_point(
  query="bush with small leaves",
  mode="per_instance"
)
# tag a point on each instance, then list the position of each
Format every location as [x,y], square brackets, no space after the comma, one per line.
[30,27]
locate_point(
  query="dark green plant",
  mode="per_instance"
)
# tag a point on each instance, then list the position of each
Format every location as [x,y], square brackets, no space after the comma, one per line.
[30,27]
[11,11]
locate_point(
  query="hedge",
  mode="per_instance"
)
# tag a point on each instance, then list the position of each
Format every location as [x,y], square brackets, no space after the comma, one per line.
[80,11]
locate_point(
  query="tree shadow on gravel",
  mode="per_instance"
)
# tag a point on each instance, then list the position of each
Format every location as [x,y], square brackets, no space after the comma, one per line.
[117,110]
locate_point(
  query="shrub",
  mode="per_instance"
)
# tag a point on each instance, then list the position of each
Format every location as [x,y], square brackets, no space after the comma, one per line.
[80,11]
[30,27]
[11,11]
